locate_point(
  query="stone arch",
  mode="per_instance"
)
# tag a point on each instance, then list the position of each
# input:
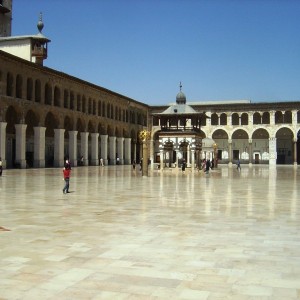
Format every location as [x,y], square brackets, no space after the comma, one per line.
[51,123]
[284,145]
[32,120]
[12,117]
[260,145]
[244,119]
[240,144]
[110,131]
[220,136]
[118,132]
[80,126]
[91,127]
[68,126]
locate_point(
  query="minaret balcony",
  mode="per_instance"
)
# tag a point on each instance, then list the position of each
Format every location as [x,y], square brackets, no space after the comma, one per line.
[39,52]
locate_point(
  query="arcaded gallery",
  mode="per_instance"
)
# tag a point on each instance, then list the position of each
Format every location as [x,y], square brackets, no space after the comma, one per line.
[47,116]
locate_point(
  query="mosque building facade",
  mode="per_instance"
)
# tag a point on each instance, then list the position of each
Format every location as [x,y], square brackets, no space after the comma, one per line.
[47,115]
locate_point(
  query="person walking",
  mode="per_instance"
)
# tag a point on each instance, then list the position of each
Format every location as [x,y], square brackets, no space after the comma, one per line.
[238,165]
[101,162]
[1,167]
[67,174]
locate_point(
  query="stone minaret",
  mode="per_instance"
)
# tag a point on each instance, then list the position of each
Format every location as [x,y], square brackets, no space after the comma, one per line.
[5,17]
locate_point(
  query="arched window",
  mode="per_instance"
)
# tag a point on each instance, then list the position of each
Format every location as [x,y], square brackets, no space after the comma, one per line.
[235,120]
[66,99]
[79,105]
[19,86]
[29,89]
[214,119]
[48,94]
[256,118]
[72,101]
[223,119]
[278,117]
[244,119]
[287,117]
[57,96]
[266,118]
[9,85]
[37,91]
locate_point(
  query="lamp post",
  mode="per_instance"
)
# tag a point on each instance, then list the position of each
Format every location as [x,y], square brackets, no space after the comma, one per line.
[144,136]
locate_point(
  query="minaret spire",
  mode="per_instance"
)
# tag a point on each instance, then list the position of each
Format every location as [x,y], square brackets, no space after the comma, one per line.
[40,24]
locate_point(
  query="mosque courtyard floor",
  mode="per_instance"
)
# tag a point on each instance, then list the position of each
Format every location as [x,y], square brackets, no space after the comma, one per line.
[117,235]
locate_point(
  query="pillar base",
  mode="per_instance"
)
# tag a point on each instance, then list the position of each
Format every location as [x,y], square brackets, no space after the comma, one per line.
[39,163]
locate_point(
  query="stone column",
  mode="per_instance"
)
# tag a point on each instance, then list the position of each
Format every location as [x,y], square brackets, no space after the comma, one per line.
[39,147]
[177,151]
[161,160]
[112,150]
[193,159]
[95,145]
[21,145]
[120,150]
[295,152]
[250,152]
[84,147]
[3,143]
[272,151]
[59,140]
[127,151]
[230,151]
[73,148]
[104,138]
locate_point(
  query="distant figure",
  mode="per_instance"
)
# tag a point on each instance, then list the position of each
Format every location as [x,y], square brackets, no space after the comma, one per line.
[67,174]
[1,167]
[101,162]
[183,165]
[238,165]
[141,164]
[207,166]
[118,160]
[81,160]
[133,164]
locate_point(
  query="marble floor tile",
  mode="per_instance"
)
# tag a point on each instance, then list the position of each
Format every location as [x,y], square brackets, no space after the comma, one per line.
[117,235]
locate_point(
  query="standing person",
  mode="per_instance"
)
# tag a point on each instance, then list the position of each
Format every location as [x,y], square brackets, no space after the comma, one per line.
[207,166]
[238,165]
[101,162]
[67,174]
[67,164]
[1,167]
[183,165]
[133,164]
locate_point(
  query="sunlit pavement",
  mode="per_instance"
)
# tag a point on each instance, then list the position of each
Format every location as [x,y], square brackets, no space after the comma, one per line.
[118,235]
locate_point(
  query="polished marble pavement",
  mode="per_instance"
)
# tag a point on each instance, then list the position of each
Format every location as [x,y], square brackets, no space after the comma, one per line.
[117,235]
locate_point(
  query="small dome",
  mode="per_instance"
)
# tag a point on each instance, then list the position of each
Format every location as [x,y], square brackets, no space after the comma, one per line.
[180,98]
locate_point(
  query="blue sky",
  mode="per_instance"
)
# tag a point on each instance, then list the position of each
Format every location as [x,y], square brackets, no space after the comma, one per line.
[218,49]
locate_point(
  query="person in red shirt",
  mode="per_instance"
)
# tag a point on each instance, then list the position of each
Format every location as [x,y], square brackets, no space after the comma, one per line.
[67,174]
